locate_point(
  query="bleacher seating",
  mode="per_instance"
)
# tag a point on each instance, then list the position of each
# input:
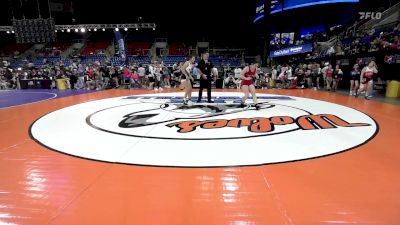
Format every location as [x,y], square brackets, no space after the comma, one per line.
[216,60]
[170,60]
[219,60]
[145,60]
[19,63]
[93,58]
[176,48]
[94,48]
[53,49]
[95,52]
[40,61]
[11,49]
[138,48]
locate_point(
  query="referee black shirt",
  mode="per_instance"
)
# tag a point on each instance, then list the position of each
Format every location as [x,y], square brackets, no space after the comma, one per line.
[205,68]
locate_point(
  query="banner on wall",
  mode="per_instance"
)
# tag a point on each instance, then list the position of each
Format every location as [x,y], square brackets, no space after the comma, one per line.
[121,46]
[292,50]
[277,6]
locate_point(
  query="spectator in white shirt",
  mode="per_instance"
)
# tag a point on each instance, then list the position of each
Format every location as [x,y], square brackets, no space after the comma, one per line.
[142,73]
[237,72]
[151,76]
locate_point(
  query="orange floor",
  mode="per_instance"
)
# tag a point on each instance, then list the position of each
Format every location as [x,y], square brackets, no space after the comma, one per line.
[39,186]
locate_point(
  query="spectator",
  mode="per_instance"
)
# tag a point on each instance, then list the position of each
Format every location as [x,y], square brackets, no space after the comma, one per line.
[329,77]
[114,73]
[237,71]
[308,76]
[73,79]
[331,51]
[105,73]
[354,79]
[300,76]
[142,74]
[127,76]
[366,79]
[157,77]
[337,77]
[135,79]
[230,82]
[151,76]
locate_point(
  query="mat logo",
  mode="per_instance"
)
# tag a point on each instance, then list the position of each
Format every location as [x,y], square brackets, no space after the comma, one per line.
[158,130]
[226,119]
[174,112]
[266,125]
[143,118]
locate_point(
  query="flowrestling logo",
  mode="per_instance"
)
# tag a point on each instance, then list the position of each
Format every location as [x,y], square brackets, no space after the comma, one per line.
[370,15]
[158,130]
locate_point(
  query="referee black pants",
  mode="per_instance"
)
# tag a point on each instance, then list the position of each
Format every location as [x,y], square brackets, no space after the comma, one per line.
[205,84]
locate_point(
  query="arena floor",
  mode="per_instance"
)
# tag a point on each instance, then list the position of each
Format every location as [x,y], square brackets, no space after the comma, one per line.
[140,157]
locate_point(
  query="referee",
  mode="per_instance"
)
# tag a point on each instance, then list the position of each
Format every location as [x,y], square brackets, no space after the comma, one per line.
[204,69]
